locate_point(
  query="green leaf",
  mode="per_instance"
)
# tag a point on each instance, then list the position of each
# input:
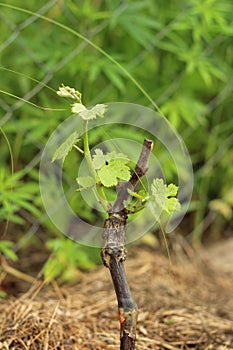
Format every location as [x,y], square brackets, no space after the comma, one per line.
[89,114]
[184,107]
[77,108]
[65,147]
[171,205]
[138,201]
[99,110]
[115,77]
[6,249]
[114,155]
[139,25]
[52,269]
[158,189]
[113,171]
[67,255]
[161,194]
[171,190]
[86,182]
[99,159]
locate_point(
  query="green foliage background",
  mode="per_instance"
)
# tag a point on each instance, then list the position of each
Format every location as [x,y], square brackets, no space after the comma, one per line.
[180,52]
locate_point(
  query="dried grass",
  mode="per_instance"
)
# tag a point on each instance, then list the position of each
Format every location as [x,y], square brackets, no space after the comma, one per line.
[180,308]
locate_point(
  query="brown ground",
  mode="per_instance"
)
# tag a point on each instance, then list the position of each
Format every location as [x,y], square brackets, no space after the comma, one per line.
[188,305]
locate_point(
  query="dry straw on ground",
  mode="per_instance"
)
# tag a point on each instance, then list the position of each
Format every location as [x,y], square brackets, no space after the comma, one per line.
[181,307]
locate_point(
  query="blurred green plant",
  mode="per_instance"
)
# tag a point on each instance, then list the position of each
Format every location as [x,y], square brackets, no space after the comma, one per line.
[66,256]
[17,195]
[6,248]
[181,54]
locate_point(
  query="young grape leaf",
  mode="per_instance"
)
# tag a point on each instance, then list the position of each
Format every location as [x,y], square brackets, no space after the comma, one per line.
[113,171]
[77,108]
[161,194]
[113,155]
[99,110]
[171,190]
[172,204]
[99,159]
[86,182]
[137,202]
[65,147]
[89,114]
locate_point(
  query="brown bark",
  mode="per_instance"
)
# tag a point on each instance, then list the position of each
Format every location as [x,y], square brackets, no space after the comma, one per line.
[114,252]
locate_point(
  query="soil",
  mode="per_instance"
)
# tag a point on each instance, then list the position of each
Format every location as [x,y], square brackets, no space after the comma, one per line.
[184,305]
